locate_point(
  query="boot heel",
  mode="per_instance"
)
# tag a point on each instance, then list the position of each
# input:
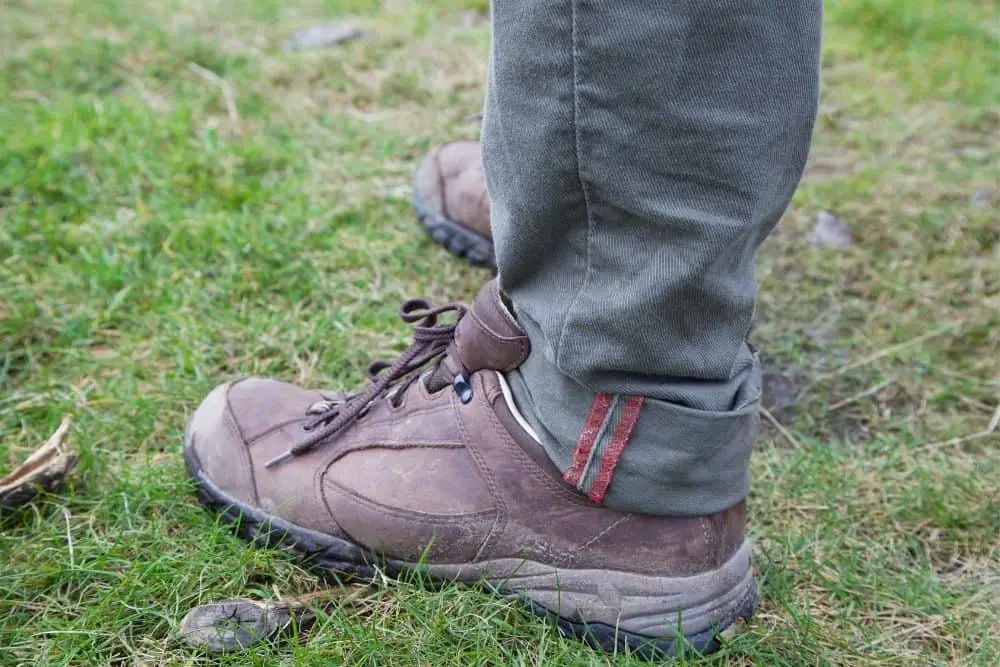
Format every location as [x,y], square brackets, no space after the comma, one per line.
[643,613]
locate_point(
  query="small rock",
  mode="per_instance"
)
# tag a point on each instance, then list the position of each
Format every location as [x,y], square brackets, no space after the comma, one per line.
[325,34]
[981,198]
[778,390]
[830,232]
[975,153]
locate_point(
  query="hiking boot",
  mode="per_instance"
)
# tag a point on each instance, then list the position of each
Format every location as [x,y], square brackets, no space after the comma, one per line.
[449,192]
[432,468]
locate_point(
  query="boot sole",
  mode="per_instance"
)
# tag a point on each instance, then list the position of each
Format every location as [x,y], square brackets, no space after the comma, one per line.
[711,601]
[459,240]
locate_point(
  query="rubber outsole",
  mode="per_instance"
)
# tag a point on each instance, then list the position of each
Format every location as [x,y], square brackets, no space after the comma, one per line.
[457,239]
[330,555]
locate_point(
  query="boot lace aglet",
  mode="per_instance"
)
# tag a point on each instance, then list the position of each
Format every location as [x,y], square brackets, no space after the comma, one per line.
[280,458]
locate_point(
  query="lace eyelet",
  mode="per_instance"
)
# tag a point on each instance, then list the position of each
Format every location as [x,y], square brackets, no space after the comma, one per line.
[461,385]
[305,428]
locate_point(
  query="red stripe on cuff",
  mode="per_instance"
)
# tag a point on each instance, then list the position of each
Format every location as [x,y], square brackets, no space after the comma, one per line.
[613,452]
[588,436]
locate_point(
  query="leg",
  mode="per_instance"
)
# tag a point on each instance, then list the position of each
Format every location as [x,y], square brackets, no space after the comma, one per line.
[637,155]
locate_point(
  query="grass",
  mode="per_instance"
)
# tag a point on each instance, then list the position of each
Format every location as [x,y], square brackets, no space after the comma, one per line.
[156,239]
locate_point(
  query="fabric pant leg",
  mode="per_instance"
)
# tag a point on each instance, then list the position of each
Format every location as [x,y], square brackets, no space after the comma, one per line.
[637,154]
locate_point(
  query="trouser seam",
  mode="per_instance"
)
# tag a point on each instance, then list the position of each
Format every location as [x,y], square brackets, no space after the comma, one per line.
[583,186]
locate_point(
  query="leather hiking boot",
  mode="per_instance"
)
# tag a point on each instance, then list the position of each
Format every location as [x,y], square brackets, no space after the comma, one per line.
[449,193]
[431,468]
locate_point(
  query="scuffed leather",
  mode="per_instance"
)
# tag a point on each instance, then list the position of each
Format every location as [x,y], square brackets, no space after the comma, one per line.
[489,337]
[438,478]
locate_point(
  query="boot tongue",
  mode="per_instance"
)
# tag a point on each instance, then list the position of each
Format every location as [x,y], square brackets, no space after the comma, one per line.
[487,338]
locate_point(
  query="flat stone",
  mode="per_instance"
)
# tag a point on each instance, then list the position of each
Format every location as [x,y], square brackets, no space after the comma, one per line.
[982,198]
[778,390]
[322,35]
[830,232]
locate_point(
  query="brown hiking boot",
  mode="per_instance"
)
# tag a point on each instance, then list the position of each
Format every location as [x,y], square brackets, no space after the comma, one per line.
[435,470]
[449,193]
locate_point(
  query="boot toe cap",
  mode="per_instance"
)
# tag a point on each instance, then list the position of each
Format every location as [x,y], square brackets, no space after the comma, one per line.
[215,448]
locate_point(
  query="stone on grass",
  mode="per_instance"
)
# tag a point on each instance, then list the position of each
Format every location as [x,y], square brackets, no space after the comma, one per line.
[778,390]
[830,232]
[324,34]
[981,198]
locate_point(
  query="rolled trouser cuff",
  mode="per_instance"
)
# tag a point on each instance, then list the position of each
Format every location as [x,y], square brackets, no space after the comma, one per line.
[636,453]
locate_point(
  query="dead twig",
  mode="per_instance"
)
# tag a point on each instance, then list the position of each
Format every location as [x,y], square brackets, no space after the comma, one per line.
[227,90]
[991,429]
[995,420]
[795,442]
[892,349]
[69,539]
[863,394]
[960,440]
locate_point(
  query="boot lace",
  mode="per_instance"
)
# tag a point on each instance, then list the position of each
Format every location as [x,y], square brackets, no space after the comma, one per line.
[389,379]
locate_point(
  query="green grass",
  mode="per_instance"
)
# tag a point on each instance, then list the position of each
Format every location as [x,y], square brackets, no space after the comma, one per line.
[152,244]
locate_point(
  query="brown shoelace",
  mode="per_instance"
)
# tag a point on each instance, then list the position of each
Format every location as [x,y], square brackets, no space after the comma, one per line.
[430,342]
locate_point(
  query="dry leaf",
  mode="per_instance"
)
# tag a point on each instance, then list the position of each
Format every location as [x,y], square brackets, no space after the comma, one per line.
[103,352]
[46,469]
[234,625]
